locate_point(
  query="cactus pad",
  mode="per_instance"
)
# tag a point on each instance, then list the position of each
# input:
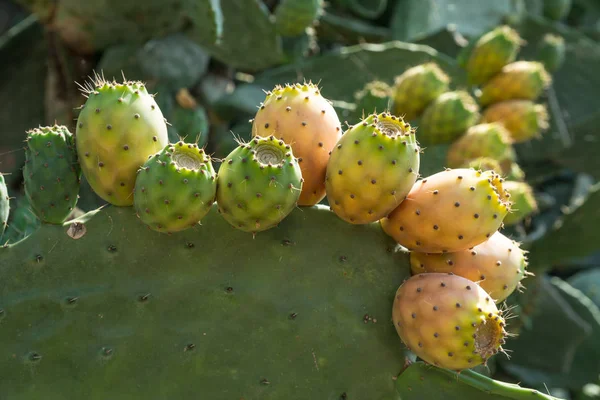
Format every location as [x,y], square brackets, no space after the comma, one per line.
[4,205]
[51,173]
[372,169]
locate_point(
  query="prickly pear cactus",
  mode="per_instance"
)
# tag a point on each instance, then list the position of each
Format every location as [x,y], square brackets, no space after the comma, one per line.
[519,80]
[417,87]
[497,265]
[491,53]
[557,9]
[551,52]
[292,17]
[448,321]
[374,97]
[524,119]
[450,211]
[483,140]
[192,125]
[52,174]
[483,164]
[272,316]
[299,115]
[448,117]
[175,188]
[119,127]
[372,168]
[4,205]
[259,184]
[523,200]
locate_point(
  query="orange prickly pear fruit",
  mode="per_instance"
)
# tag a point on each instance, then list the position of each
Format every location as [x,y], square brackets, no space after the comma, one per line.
[524,119]
[520,80]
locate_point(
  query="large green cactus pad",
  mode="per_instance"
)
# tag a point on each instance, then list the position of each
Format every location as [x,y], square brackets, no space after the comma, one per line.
[103,307]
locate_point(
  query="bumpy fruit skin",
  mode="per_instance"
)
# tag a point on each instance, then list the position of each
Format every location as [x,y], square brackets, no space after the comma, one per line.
[175,188]
[292,17]
[447,320]
[259,184]
[416,88]
[491,53]
[51,173]
[482,140]
[452,210]
[551,52]
[119,127]
[301,117]
[4,205]
[373,98]
[524,119]
[497,265]
[519,80]
[372,169]
[448,117]
[483,164]
[523,202]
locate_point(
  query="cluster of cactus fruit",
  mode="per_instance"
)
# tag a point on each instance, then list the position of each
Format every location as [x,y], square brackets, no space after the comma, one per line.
[298,155]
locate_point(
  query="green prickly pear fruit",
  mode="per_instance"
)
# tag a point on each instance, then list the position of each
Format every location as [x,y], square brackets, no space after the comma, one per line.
[524,80]
[448,117]
[483,140]
[372,169]
[259,184]
[483,164]
[4,205]
[497,265]
[175,188]
[300,116]
[557,9]
[119,127]
[551,52]
[51,173]
[515,173]
[524,119]
[491,53]
[292,17]
[189,124]
[448,321]
[416,88]
[452,210]
[523,202]
[373,98]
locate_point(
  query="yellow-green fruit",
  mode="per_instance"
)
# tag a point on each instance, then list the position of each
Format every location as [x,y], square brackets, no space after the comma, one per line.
[372,169]
[292,17]
[491,53]
[515,173]
[299,115]
[497,265]
[452,210]
[483,140]
[483,164]
[447,118]
[519,80]
[524,119]
[552,52]
[448,321]
[119,127]
[523,202]
[416,88]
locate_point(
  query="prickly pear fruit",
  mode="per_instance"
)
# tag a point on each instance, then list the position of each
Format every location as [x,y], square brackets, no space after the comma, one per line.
[497,265]
[483,140]
[483,164]
[452,210]
[523,202]
[522,118]
[51,173]
[373,98]
[551,52]
[300,116]
[259,184]
[4,205]
[119,127]
[557,9]
[372,169]
[491,53]
[175,188]
[191,125]
[447,320]
[448,117]
[416,88]
[515,173]
[519,80]
[292,17]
